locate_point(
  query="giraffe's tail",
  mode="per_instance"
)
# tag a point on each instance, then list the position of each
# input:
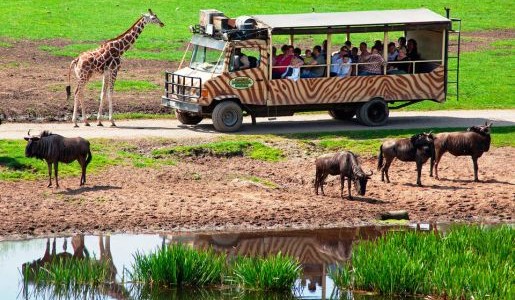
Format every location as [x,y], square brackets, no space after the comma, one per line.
[68,87]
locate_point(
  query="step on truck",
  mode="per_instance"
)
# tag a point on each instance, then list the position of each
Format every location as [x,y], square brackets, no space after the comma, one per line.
[213,81]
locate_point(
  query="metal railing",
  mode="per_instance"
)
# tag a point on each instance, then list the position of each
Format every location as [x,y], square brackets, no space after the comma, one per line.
[185,88]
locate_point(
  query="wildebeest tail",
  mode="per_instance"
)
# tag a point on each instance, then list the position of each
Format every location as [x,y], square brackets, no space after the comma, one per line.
[88,159]
[380,158]
[68,87]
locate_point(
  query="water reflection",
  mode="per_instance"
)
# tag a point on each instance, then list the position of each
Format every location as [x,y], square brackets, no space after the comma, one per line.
[316,250]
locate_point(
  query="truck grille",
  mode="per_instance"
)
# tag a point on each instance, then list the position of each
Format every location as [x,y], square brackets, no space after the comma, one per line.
[183,88]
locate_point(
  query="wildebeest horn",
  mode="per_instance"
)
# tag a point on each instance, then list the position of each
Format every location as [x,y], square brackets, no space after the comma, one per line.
[28,133]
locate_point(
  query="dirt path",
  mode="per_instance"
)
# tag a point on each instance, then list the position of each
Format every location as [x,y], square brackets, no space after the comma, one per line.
[299,123]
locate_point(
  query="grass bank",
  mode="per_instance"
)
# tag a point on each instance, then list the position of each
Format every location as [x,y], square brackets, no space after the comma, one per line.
[464,263]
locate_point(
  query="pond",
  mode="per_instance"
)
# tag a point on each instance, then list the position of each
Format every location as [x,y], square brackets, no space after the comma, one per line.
[317,250]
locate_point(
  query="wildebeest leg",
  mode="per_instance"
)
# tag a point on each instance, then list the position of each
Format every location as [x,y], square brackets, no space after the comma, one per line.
[419,171]
[342,181]
[438,156]
[82,163]
[474,160]
[386,167]
[321,183]
[348,187]
[55,171]
[49,174]
[317,180]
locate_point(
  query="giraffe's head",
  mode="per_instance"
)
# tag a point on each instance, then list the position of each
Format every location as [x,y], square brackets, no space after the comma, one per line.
[150,17]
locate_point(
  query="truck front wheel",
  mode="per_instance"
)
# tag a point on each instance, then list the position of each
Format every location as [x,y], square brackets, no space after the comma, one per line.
[187,118]
[227,116]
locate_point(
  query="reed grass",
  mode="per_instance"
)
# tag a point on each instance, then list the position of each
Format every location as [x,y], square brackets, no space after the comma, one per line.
[272,273]
[465,262]
[70,272]
[179,265]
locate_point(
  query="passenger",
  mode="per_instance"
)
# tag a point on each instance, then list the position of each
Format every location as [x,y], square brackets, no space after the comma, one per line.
[375,64]
[298,54]
[324,48]
[363,56]
[392,52]
[293,70]
[282,61]
[402,43]
[318,59]
[240,60]
[412,51]
[354,55]
[400,68]
[348,44]
[308,57]
[340,63]
[379,46]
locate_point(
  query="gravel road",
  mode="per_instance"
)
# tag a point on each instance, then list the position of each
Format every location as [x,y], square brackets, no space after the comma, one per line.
[299,123]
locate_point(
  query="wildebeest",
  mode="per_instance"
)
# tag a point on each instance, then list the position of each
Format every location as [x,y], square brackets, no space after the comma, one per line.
[346,165]
[54,148]
[474,142]
[419,148]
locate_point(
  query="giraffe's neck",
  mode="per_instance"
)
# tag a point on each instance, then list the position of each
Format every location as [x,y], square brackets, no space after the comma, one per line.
[124,41]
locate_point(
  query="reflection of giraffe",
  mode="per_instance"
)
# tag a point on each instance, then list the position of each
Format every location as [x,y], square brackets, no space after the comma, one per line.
[111,288]
[105,60]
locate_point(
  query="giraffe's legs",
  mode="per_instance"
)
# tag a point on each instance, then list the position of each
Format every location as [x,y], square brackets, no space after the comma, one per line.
[112,80]
[77,97]
[105,84]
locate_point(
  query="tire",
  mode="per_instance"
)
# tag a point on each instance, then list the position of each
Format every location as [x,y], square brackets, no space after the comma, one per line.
[373,113]
[187,118]
[227,116]
[342,114]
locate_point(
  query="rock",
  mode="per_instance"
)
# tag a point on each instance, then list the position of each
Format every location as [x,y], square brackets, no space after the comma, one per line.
[394,214]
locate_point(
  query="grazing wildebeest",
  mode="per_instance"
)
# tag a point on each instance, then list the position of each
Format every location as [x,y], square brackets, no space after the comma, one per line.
[346,165]
[55,148]
[474,142]
[419,148]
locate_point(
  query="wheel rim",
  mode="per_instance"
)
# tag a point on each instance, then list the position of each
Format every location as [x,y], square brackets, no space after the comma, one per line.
[376,113]
[230,118]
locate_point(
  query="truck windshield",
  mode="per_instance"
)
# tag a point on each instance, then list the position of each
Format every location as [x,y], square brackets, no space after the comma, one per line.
[206,59]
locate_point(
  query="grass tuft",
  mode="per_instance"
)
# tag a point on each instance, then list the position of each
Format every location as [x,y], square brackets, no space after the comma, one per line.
[179,265]
[273,273]
[468,262]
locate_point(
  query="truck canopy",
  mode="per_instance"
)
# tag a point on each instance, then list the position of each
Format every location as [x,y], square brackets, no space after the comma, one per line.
[354,21]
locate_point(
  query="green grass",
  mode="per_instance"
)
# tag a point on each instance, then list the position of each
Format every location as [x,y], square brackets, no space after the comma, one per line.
[272,273]
[465,262]
[179,265]
[15,166]
[368,141]
[254,150]
[126,86]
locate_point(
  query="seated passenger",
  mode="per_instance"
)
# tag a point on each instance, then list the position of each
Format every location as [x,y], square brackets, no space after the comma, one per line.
[318,59]
[378,44]
[374,64]
[392,52]
[283,61]
[400,68]
[308,56]
[412,51]
[354,55]
[240,60]
[402,43]
[340,63]
[293,70]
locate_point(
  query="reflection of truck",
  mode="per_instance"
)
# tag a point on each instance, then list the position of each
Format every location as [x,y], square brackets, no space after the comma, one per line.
[213,85]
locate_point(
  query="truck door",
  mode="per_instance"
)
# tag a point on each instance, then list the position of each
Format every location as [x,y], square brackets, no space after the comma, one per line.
[247,72]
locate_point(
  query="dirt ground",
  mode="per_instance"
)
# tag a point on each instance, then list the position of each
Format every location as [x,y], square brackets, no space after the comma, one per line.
[208,193]
[33,81]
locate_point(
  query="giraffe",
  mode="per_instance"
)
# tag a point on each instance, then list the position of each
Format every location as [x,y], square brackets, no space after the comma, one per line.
[105,60]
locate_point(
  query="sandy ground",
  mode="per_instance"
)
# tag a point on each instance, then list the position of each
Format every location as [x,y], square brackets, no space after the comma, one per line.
[208,193]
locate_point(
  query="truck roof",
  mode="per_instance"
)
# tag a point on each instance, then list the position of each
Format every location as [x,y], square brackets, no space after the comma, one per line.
[351,21]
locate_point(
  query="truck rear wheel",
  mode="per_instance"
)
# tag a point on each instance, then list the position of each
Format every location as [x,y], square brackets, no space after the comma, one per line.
[227,116]
[373,113]
[342,114]
[187,118]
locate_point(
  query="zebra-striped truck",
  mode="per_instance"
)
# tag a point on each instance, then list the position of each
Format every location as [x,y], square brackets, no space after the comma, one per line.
[228,67]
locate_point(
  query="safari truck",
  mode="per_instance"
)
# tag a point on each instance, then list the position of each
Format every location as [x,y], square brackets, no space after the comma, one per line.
[211,83]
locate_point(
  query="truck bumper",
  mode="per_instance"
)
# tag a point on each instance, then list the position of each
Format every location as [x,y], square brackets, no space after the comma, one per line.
[181,105]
